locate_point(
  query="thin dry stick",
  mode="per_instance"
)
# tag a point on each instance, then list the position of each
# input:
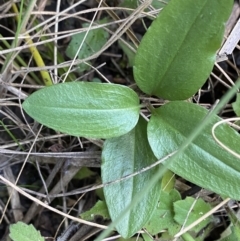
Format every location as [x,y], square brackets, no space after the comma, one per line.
[17,212]
[114,16]
[32,210]
[42,179]
[219,142]
[125,26]
[49,207]
[56,41]
[20,172]
[84,190]
[231,41]
[202,218]
[121,30]
[44,23]
[69,32]
[225,74]
[68,213]
[189,211]
[4,147]
[96,69]
[83,41]
[76,15]
[112,238]
[221,81]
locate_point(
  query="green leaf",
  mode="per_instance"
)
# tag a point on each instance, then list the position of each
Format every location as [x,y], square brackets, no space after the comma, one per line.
[176,55]
[130,239]
[129,4]
[164,214]
[94,41]
[92,110]
[203,162]
[236,105]
[99,209]
[234,218]
[229,234]
[23,232]
[168,181]
[189,210]
[122,156]
[84,172]
[232,232]
[146,237]
[159,4]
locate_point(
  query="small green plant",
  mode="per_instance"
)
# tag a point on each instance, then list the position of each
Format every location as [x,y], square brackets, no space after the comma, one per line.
[172,62]
[94,41]
[23,232]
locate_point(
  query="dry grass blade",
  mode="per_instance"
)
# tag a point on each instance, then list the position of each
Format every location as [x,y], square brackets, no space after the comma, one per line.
[49,207]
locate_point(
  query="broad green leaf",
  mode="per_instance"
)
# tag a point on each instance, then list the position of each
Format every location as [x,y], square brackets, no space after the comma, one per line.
[164,214]
[203,162]
[189,210]
[236,105]
[99,209]
[92,110]
[93,42]
[24,232]
[177,54]
[122,156]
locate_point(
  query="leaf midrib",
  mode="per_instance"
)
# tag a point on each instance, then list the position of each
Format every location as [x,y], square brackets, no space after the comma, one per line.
[158,83]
